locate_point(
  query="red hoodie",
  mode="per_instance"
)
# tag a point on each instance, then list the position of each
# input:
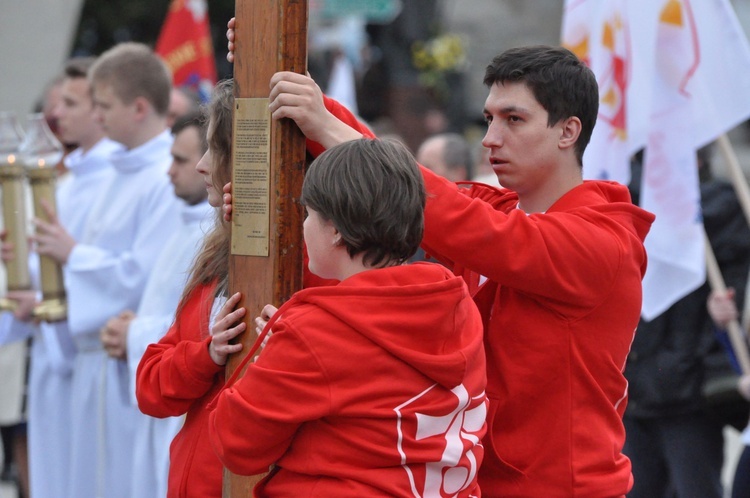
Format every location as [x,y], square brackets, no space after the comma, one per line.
[560,306]
[373,387]
[177,376]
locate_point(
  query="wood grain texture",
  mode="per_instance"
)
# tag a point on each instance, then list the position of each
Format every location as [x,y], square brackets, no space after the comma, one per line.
[271,36]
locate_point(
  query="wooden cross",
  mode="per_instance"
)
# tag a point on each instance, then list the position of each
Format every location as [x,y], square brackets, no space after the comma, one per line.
[267,173]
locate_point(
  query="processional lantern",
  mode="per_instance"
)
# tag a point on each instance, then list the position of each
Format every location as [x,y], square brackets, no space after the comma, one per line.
[40,152]
[14,207]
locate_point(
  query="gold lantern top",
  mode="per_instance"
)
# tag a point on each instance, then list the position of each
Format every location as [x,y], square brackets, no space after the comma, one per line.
[40,152]
[10,138]
[39,148]
[13,206]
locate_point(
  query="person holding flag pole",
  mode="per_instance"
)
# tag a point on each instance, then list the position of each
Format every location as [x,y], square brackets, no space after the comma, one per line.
[723,311]
[680,396]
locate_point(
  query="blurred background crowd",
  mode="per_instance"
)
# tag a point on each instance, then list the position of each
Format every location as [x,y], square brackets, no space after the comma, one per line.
[410,68]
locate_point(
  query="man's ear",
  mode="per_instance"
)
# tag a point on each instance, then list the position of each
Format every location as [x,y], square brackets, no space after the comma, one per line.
[142,106]
[570,130]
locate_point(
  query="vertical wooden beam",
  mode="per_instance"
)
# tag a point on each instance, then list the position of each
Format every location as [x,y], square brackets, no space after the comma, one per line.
[271,36]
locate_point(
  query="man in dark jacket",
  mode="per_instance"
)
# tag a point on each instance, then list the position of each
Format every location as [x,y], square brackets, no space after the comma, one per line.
[674,438]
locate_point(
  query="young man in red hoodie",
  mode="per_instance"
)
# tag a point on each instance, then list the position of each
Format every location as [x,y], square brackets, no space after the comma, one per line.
[554,263]
[374,386]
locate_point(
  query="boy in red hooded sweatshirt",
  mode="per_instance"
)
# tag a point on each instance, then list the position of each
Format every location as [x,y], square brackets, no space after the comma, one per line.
[374,386]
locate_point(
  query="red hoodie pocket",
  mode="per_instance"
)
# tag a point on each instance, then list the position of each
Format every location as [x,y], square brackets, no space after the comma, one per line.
[493,464]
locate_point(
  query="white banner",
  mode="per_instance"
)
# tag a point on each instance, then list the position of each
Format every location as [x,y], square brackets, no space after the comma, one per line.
[615,38]
[673,75]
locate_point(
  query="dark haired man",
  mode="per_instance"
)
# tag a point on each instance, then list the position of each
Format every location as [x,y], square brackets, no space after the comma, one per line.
[555,265]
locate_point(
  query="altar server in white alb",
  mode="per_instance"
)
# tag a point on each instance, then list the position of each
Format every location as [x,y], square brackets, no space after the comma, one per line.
[52,350]
[128,335]
[107,267]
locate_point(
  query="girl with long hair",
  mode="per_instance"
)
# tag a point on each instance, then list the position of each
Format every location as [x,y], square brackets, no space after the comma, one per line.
[182,373]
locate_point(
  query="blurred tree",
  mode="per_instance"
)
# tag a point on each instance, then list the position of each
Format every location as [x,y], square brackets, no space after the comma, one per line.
[395,90]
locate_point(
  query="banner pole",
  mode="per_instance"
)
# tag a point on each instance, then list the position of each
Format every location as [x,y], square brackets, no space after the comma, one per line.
[736,336]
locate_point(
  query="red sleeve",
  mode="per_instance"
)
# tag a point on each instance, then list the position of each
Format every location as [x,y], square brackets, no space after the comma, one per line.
[343,114]
[284,388]
[568,256]
[178,370]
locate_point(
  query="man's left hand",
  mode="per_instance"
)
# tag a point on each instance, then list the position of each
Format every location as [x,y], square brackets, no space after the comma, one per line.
[51,238]
[114,335]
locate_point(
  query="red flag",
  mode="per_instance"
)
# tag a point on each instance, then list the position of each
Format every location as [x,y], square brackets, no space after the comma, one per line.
[185,45]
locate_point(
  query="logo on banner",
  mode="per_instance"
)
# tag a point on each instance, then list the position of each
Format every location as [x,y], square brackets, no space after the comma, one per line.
[614,79]
[678,55]
[611,66]
[677,60]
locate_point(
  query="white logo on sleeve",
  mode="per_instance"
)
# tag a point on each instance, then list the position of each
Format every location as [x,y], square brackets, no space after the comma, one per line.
[457,433]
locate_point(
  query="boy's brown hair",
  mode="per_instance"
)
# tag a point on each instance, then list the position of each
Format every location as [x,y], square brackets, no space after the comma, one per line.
[373,193]
[133,70]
